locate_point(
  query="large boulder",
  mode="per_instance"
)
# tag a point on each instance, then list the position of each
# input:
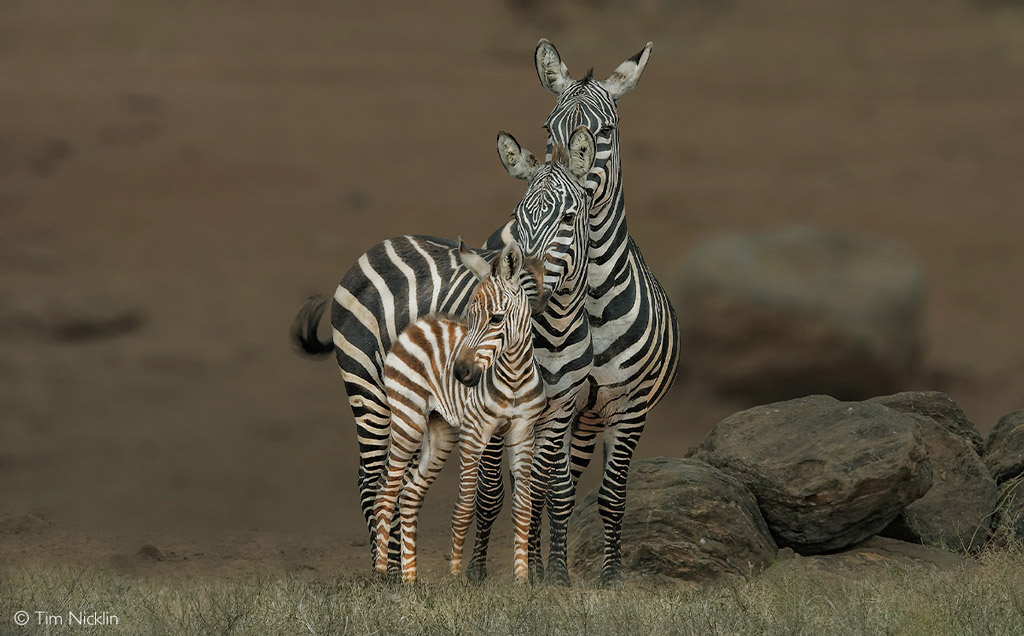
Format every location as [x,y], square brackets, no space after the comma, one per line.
[940,408]
[685,521]
[956,511]
[826,474]
[777,315]
[1004,450]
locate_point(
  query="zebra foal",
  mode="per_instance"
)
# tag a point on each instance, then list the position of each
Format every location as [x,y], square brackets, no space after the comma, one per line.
[449,382]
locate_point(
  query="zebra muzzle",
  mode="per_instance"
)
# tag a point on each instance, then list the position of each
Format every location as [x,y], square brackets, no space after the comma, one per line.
[466,373]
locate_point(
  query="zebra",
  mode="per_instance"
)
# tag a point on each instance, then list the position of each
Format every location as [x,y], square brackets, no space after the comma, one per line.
[400,279]
[453,382]
[635,332]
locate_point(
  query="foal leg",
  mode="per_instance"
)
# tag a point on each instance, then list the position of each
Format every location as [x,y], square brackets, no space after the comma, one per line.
[402,448]
[441,439]
[471,447]
[519,442]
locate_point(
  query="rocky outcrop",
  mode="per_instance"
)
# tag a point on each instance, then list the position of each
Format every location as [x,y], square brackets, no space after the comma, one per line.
[826,474]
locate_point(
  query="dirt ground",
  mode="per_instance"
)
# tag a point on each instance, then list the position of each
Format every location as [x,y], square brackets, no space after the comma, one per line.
[176,178]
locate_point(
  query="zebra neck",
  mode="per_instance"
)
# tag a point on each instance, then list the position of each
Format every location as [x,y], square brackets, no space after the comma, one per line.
[514,367]
[611,248]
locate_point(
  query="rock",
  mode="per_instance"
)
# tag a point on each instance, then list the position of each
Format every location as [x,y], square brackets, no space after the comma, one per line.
[22,523]
[826,474]
[149,552]
[876,554]
[956,511]
[1004,450]
[940,408]
[685,521]
[777,315]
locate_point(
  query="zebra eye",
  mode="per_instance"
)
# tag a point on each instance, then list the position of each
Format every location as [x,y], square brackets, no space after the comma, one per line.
[568,217]
[497,318]
[606,130]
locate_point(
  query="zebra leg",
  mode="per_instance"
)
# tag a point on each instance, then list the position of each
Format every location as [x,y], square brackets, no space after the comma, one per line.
[471,447]
[581,446]
[561,499]
[373,425]
[400,454]
[490,495]
[441,439]
[544,452]
[620,441]
[520,445]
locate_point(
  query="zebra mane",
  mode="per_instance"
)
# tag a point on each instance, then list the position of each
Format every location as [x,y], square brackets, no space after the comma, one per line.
[589,77]
[559,154]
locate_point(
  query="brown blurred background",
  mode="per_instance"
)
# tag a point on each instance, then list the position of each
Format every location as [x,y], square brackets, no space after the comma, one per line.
[177,177]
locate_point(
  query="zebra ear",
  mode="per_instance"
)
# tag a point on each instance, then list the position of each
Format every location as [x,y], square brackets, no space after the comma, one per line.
[582,148]
[552,72]
[625,78]
[477,265]
[509,265]
[518,162]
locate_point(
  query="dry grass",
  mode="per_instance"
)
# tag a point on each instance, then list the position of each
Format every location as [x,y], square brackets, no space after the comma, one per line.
[918,600]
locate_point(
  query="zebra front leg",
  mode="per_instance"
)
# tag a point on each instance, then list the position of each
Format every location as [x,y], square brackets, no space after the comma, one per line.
[560,493]
[544,451]
[581,446]
[520,445]
[440,440]
[490,494]
[620,441]
[561,499]
[471,447]
[398,457]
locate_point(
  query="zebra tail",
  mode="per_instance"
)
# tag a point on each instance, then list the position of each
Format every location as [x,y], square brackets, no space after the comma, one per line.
[303,331]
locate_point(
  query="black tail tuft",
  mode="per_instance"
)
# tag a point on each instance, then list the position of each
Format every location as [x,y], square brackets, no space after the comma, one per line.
[303,331]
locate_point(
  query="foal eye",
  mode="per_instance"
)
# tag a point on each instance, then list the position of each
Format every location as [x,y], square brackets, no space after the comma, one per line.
[497,318]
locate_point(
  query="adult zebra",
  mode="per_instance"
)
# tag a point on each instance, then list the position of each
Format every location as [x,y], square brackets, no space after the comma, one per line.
[400,279]
[634,328]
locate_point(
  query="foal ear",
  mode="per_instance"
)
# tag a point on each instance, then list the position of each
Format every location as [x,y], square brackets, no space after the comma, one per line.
[552,72]
[509,265]
[582,149]
[477,265]
[518,162]
[625,78]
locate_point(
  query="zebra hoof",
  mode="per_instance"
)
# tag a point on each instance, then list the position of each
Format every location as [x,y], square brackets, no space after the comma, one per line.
[557,576]
[476,572]
[611,580]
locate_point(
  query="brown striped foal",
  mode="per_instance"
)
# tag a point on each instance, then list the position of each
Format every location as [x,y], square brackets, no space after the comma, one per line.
[450,382]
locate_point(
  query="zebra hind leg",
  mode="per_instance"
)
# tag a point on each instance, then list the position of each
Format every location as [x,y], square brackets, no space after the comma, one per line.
[490,496]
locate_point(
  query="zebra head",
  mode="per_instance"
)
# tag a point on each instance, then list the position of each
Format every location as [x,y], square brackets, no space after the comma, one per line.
[550,222]
[590,103]
[498,312]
